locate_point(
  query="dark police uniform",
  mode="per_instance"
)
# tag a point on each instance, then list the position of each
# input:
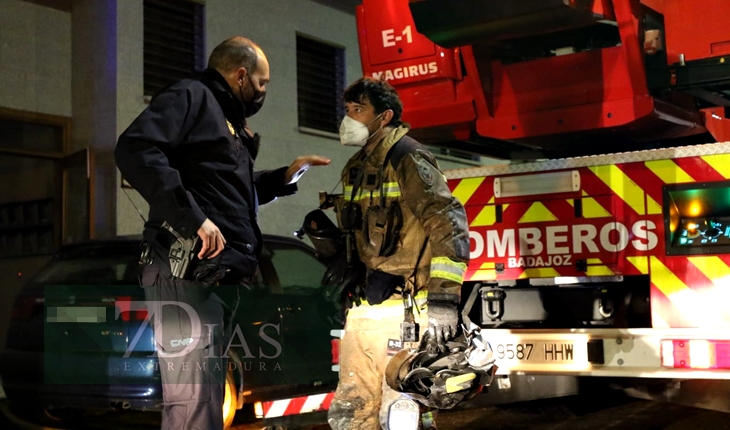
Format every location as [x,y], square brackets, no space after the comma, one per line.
[191,156]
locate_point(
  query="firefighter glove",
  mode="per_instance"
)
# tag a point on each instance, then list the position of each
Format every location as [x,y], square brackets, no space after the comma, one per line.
[443,320]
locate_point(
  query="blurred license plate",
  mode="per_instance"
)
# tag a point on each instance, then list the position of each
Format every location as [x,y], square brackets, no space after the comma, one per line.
[76,314]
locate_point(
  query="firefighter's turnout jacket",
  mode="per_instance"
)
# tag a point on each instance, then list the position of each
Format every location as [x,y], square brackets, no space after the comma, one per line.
[397,202]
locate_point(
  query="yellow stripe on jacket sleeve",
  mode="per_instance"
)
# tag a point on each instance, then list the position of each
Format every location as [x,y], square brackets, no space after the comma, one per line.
[446,268]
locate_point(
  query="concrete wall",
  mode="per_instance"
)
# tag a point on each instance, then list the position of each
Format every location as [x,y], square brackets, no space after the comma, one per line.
[130,102]
[277,121]
[35,76]
[94,95]
[35,58]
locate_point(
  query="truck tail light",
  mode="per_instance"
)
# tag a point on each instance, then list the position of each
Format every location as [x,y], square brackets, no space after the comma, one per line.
[696,354]
[335,351]
[335,343]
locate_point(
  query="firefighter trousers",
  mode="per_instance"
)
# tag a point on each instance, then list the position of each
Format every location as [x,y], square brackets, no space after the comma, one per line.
[192,328]
[372,333]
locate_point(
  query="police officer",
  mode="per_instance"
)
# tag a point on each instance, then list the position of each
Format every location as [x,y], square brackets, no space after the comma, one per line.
[190,154]
[412,236]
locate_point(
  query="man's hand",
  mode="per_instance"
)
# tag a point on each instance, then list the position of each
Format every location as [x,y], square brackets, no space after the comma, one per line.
[213,240]
[301,164]
[443,319]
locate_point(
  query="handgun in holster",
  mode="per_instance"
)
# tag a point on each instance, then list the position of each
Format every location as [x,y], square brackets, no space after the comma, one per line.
[182,252]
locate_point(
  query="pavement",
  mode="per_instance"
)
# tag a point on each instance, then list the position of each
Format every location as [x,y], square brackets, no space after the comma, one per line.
[613,412]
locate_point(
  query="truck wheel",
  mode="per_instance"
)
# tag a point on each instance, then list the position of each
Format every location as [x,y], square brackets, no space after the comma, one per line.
[230,401]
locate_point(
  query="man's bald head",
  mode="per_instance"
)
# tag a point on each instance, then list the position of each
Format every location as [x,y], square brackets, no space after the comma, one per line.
[245,68]
[234,53]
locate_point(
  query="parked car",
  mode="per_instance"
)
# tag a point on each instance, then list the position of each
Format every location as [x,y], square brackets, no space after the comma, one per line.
[77,339]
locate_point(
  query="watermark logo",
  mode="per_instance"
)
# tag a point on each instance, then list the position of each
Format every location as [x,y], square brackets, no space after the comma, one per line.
[197,332]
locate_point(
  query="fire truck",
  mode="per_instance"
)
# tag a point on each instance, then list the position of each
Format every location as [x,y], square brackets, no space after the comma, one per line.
[600,245]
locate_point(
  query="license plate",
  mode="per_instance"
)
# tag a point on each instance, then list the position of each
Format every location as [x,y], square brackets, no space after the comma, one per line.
[516,353]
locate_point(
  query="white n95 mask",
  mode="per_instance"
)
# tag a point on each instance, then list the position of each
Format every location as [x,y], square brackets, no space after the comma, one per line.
[355,133]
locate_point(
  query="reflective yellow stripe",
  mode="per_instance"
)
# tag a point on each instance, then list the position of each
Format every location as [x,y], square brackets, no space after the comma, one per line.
[622,185]
[391,189]
[466,188]
[593,209]
[652,207]
[484,275]
[719,162]
[641,264]
[596,268]
[599,271]
[692,306]
[537,212]
[446,268]
[668,171]
[714,268]
[459,382]
[487,216]
[540,272]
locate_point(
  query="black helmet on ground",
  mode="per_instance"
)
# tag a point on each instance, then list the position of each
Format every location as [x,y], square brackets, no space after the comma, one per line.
[443,379]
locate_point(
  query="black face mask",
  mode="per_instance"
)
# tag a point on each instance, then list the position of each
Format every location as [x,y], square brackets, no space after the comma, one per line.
[256,103]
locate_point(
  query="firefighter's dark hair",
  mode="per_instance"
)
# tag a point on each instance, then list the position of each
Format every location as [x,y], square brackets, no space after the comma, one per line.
[233,53]
[379,93]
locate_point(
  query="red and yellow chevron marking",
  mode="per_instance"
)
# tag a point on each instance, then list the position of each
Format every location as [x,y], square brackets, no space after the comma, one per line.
[618,229]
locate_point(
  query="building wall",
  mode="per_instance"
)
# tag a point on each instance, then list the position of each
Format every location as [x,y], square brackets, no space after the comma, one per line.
[35,58]
[35,76]
[130,103]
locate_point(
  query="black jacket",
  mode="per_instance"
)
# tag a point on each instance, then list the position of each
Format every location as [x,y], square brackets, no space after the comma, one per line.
[191,156]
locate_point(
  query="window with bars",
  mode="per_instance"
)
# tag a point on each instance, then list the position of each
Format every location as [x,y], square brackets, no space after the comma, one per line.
[174,42]
[320,83]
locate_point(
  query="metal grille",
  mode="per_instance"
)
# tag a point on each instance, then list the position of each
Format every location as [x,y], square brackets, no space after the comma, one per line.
[320,83]
[174,43]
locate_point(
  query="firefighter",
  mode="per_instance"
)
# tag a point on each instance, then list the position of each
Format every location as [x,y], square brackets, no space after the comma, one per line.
[190,154]
[412,236]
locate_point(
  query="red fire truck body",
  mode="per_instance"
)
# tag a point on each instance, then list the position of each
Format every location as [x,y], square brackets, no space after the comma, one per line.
[620,246]
[501,78]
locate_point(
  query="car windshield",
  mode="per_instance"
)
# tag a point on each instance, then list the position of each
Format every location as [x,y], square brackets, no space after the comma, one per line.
[93,266]
[85,271]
